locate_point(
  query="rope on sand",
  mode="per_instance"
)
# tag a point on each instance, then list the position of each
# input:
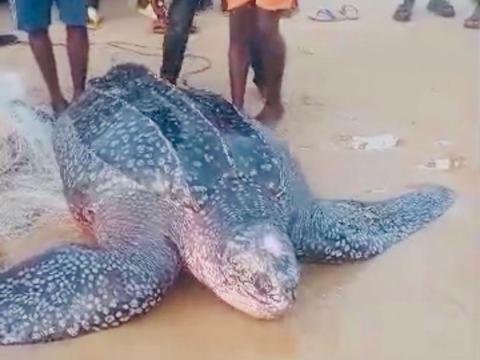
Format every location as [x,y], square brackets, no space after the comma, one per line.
[151,51]
[125,46]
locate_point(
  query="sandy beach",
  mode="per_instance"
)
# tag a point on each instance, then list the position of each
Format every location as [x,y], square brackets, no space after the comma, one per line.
[417,81]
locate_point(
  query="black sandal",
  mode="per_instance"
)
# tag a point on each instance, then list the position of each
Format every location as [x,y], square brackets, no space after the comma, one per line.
[6,40]
[441,8]
[473,21]
[404,12]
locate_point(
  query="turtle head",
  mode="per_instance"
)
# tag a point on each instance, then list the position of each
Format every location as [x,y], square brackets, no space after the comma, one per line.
[260,271]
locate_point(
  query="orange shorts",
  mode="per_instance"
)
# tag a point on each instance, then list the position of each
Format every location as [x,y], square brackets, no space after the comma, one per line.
[270,5]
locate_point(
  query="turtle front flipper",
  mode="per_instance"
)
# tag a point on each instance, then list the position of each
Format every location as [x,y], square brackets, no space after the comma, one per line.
[337,231]
[73,290]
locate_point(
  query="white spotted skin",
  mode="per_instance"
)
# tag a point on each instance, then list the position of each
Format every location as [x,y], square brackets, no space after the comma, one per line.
[230,265]
[320,230]
[233,170]
[206,161]
[164,177]
[251,267]
[76,290]
[336,231]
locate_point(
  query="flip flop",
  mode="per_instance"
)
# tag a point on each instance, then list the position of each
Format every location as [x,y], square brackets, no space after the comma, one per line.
[161,28]
[347,12]
[6,40]
[441,8]
[403,12]
[473,21]
[94,19]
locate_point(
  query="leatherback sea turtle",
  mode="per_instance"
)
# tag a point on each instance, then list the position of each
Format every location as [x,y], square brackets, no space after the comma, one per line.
[165,177]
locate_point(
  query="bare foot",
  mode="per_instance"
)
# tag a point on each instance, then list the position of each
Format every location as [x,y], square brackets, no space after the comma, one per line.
[169,78]
[473,22]
[261,89]
[270,114]
[76,95]
[59,106]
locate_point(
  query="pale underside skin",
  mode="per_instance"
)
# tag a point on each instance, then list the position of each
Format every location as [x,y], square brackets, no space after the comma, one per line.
[163,176]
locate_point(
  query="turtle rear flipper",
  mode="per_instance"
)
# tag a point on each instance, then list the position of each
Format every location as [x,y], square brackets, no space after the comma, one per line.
[337,231]
[73,290]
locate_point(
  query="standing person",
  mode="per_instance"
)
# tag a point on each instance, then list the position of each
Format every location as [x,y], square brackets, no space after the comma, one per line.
[34,17]
[255,58]
[178,24]
[254,29]
[442,8]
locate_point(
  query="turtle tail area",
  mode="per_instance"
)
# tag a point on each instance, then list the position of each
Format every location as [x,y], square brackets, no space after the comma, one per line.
[75,290]
[337,231]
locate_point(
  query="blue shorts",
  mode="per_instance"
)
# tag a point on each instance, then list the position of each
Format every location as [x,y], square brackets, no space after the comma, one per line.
[33,15]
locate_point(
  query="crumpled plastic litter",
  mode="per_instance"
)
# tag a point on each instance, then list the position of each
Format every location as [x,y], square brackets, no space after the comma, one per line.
[379,142]
[444,164]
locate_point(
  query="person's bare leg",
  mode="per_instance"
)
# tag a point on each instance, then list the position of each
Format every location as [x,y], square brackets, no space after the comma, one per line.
[273,56]
[241,22]
[42,49]
[77,48]
[257,66]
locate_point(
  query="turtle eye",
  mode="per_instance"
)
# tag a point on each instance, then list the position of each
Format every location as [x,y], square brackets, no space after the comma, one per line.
[262,283]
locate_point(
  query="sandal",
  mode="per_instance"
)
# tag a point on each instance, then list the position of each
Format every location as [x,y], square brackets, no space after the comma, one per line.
[347,12]
[473,22]
[6,40]
[94,19]
[441,8]
[160,27]
[403,12]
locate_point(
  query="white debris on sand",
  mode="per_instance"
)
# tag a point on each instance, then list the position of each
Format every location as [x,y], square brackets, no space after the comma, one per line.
[379,142]
[444,164]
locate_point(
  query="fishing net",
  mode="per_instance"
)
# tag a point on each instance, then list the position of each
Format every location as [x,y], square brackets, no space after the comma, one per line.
[30,185]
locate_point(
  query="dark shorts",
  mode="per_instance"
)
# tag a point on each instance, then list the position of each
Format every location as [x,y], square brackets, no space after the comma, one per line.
[32,15]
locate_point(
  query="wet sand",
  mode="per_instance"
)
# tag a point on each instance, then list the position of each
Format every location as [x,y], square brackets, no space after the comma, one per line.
[418,81]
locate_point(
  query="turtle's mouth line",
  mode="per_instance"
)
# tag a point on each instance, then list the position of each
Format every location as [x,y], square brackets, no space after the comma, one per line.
[271,299]
[257,299]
